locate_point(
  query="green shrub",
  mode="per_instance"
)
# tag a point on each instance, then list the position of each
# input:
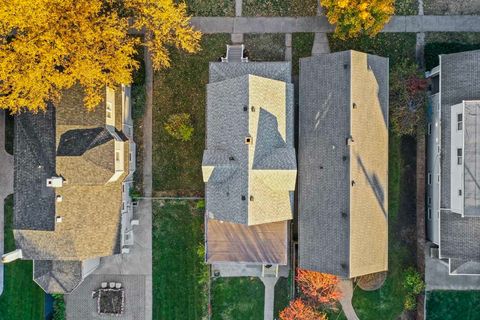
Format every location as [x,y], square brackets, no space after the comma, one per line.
[58,307]
[414,285]
[200,204]
[134,194]
[413,281]
[179,126]
[410,303]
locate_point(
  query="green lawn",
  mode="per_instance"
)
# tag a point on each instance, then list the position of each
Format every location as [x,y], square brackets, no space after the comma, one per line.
[180,276]
[267,8]
[237,298]
[282,294]
[211,7]
[182,88]
[22,299]
[453,305]
[301,47]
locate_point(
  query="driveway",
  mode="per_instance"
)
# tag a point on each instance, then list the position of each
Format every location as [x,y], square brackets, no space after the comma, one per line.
[6,184]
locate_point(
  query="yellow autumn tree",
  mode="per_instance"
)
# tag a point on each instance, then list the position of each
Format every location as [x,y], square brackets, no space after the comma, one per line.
[356,17]
[47,46]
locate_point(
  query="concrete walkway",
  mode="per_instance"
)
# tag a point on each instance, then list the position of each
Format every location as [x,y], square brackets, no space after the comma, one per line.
[6,185]
[269,283]
[346,287]
[415,24]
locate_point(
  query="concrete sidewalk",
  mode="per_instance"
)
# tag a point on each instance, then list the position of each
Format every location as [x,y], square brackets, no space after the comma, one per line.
[6,185]
[414,24]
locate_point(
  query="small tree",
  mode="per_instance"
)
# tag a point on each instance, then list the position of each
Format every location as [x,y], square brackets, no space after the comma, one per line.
[319,287]
[355,17]
[407,98]
[298,310]
[179,126]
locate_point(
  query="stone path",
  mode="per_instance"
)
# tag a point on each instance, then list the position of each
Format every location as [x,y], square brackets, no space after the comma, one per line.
[346,287]
[6,185]
[269,283]
[320,42]
[415,24]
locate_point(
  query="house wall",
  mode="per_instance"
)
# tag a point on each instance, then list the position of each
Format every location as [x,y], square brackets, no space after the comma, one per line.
[456,170]
[433,169]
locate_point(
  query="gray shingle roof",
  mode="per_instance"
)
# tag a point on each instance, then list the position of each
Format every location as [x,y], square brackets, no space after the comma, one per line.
[459,236]
[342,226]
[57,276]
[220,71]
[34,159]
[227,123]
[323,178]
[460,80]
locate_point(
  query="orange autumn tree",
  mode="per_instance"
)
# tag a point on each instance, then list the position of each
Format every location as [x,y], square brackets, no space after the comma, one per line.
[319,287]
[298,310]
[47,46]
[356,17]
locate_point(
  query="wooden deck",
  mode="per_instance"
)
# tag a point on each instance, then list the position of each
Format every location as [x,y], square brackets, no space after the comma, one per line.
[231,242]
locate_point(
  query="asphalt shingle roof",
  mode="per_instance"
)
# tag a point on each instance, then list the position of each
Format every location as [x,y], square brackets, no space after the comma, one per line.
[342,186]
[57,276]
[71,142]
[242,102]
[460,81]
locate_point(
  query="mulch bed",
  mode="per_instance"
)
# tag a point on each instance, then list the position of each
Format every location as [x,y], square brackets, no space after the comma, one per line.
[371,282]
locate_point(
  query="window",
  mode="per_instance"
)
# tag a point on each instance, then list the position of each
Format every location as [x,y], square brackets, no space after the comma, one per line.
[429,214]
[429,178]
[429,201]
[117,156]
[459,156]
[460,122]
[459,192]
[109,109]
[429,129]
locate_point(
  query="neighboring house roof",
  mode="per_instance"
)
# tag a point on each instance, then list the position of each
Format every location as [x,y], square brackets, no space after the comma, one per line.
[57,276]
[343,161]
[459,81]
[243,179]
[249,183]
[73,143]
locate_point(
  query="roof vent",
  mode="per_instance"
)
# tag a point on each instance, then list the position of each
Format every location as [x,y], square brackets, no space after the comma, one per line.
[344,214]
[58,219]
[248,140]
[59,198]
[353,183]
[354,105]
[345,66]
[344,158]
[252,109]
[231,158]
[350,141]
[245,108]
[251,198]
[243,198]
[55,182]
